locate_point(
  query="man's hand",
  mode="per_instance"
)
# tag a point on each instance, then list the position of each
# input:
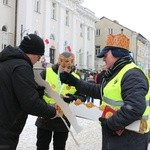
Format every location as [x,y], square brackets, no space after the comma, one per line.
[69,98]
[59,111]
[68,78]
[105,126]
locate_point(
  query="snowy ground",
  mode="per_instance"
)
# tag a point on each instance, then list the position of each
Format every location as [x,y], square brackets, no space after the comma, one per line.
[89,138]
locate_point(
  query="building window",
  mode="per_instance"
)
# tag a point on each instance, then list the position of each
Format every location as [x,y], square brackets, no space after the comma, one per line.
[81,60]
[88,33]
[53,11]
[89,58]
[81,30]
[52,55]
[67,18]
[52,37]
[5,2]
[97,49]
[98,32]
[4,37]
[110,31]
[65,45]
[37,6]
[4,28]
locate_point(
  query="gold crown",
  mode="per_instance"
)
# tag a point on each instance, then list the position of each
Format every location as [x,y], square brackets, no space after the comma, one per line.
[119,40]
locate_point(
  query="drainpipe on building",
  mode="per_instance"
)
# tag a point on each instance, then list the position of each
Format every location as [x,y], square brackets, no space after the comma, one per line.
[16,12]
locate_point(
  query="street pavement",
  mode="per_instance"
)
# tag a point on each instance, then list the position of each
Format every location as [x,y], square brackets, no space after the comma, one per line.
[89,138]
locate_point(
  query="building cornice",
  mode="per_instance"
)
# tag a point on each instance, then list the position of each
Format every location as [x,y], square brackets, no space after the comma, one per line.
[87,13]
[78,1]
[70,1]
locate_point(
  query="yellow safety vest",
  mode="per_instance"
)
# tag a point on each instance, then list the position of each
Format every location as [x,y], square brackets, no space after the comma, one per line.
[53,79]
[112,92]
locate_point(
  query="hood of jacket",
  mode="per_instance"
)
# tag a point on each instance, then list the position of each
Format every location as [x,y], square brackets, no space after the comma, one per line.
[10,52]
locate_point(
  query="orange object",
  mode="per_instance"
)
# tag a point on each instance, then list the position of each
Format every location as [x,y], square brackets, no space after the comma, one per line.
[119,40]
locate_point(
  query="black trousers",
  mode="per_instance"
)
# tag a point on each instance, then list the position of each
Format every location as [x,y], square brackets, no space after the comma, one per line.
[88,98]
[44,138]
[127,141]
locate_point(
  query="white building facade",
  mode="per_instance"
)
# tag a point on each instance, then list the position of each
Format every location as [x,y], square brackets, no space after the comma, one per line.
[7,23]
[64,25]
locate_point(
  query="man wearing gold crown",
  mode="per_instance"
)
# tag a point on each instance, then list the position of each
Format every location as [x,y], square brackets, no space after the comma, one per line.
[56,128]
[125,89]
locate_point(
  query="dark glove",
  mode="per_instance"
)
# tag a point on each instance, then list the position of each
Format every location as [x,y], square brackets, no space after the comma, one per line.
[68,78]
[70,98]
[105,127]
[40,90]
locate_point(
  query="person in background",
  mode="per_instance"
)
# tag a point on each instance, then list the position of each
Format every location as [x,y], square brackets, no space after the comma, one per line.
[86,74]
[19,94]
[101,75]
[95,76]
[124,88]
[78,72]
[90,79]
[46,127]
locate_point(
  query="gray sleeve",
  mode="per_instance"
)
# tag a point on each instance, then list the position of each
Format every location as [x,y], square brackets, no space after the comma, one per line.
[90,89]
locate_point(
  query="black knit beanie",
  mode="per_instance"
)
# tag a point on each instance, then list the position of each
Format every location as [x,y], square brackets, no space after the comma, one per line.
[32,44]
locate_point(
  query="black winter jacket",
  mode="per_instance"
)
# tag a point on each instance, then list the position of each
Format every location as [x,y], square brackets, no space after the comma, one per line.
[134,88]
[18,96]
[56,124]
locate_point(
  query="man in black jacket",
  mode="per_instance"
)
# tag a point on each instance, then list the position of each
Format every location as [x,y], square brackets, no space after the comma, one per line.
[18,90]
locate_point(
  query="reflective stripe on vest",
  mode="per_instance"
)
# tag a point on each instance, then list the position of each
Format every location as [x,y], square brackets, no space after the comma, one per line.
[118,103]
[53,80]
[112,91]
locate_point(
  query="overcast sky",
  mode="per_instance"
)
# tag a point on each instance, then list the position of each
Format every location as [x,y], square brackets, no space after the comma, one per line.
[133,14]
